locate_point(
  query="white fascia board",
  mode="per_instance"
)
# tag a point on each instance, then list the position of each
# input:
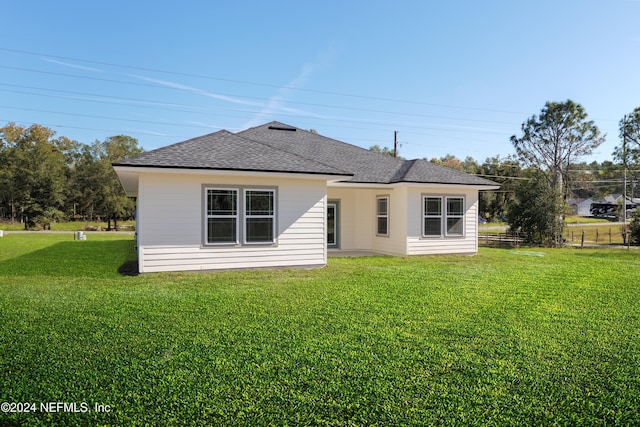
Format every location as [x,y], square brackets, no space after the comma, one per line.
[243,173]
[450,186]
[370,186]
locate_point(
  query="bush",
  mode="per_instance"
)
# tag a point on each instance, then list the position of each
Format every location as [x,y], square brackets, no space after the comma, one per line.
[536,211]
[634,228]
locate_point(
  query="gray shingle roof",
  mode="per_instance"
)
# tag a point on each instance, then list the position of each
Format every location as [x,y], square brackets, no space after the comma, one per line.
[366,165]
[224,150]
[277,147]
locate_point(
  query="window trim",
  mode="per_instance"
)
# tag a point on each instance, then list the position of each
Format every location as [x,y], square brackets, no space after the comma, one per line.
[443,216]
[241,215]
[385,215]
[246,216]
[451,216]
[207,216]
[425,216]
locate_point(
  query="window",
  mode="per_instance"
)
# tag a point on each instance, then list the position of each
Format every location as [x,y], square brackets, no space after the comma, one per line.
[382,215]
[455,216]
[259,216]
[432,216]
[221,216]
[441,221]
[237,215]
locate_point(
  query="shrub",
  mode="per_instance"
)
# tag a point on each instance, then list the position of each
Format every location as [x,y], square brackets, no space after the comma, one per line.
[634,227]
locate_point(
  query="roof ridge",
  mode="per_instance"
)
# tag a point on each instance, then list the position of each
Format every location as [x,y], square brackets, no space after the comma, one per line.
[403,170]
[287,151]
[291,152]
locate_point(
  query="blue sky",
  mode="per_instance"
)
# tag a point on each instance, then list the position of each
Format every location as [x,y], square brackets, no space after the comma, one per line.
[451,77]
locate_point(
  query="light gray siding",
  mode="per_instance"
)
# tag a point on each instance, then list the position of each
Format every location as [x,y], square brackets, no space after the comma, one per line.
[171,225]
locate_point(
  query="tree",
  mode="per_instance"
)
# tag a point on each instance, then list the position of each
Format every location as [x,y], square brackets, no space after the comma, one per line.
[494,205]
[634,228]
[630,130]
[550,142]
[33,173]
[382,150]
[113,203]
[450,161]
[628,154]
[85,183]
[532,212]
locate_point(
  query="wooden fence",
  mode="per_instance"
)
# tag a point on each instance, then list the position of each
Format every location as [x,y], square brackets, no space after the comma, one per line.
[501,240]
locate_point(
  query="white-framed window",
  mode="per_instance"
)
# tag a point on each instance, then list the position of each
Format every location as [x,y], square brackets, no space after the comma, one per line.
[260,216]
[221,216]
[455,216]
[382,215]
[443,216]
[432,216]
[239,215]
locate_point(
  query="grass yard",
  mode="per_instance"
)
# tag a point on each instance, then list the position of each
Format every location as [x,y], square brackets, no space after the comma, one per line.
[601,234]
[504,338]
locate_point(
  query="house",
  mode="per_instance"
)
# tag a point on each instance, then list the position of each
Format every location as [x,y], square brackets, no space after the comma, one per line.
[609,206]
[279,196]
[580,207]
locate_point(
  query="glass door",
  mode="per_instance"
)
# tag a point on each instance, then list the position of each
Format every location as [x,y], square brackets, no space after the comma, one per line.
[333,229]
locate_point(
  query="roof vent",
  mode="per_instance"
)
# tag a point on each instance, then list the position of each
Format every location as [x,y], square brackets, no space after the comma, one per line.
[282,128]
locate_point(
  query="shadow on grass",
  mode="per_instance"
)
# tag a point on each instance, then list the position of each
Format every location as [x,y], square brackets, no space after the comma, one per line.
[75,259]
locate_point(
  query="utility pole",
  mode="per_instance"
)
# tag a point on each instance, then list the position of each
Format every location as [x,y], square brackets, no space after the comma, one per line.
[395,143]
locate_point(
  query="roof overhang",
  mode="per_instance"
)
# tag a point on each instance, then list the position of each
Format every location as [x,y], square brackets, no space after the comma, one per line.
[479,187]
[129,175]
[381,185]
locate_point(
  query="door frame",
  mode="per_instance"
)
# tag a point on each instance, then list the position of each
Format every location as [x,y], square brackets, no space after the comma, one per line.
[335,204]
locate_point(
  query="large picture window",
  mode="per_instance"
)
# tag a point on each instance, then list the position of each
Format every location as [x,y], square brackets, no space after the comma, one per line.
[222,216]
[443,216]
[237,215]
[382,215]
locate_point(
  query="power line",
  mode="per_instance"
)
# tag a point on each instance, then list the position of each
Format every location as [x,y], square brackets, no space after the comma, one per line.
[113,131]
[155,70]
[432,116]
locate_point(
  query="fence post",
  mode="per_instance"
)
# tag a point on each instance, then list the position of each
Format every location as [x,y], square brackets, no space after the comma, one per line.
[609,235]
[597,235]
[582,240]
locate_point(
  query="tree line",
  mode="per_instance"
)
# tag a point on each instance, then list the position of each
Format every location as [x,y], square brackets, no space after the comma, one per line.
[46,178]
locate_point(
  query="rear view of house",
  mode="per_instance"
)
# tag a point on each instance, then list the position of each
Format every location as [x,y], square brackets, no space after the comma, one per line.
[279,196]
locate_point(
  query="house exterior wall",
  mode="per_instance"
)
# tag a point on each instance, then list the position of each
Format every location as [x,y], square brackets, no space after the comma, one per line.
[419,245]
[358,220]
[171,224]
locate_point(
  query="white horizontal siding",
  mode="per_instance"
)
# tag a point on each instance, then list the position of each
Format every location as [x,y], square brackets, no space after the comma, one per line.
[300,217]
[417,245]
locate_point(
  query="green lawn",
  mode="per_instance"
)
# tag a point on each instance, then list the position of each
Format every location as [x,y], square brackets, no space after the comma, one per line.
[503,338]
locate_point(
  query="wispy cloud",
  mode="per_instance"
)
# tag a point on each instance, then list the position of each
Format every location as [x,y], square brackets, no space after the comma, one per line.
[192,89]
[68,64]
[277,102]
[205,125]
[146,132]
